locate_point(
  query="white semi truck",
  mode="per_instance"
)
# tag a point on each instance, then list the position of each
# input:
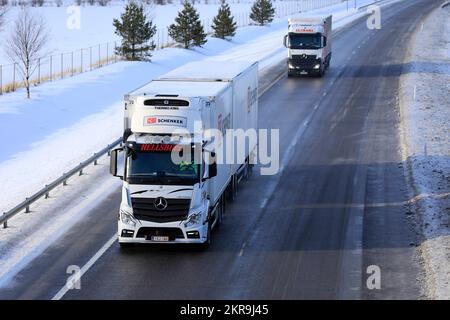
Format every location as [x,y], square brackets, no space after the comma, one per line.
[309,45]
[167,201]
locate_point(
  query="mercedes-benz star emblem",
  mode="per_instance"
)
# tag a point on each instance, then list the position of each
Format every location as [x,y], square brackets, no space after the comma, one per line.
[160,203]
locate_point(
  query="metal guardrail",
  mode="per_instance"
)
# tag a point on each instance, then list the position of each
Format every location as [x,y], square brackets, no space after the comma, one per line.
[45,192]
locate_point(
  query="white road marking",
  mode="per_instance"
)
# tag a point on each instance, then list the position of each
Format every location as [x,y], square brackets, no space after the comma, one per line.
[88,265]
[414,92]
[242,249]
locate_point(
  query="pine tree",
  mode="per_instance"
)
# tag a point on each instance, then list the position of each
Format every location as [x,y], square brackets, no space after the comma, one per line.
[136,32]
[262,12]
[187,28]
[223,24]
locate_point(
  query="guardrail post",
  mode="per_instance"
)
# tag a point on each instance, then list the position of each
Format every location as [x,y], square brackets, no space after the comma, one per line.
[5,223]
[47,194]
[27,208]
[81,172]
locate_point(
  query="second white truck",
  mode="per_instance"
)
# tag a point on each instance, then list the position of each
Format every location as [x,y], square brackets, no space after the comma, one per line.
[167,201]
[309,45]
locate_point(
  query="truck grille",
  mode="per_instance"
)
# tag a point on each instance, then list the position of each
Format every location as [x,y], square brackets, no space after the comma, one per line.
[176,210]
[304,60]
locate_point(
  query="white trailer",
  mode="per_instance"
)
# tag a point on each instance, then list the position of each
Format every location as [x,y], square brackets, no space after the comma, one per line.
[180,202]
[309,45]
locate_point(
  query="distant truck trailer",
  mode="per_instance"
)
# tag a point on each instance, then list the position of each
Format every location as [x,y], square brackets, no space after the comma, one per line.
[309,45]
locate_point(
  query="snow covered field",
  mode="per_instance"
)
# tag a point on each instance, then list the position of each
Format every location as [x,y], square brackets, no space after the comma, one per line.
[425,92]
[70,119]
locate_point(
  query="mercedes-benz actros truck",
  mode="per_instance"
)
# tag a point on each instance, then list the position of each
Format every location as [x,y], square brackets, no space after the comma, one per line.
[174,186]
[309,45]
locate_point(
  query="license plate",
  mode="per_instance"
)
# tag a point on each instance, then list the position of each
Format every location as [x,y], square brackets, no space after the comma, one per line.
[303,72]
[159,238]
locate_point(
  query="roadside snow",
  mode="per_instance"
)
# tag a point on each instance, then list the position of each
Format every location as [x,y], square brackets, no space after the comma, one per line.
[425,107]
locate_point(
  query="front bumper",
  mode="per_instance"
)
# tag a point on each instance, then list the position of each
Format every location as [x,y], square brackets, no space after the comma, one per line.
[296,66]
[175,231]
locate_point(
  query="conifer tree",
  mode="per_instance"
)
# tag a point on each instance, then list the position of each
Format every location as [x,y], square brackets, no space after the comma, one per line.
[224,25]
[262,12]
[136,31]
[187,28]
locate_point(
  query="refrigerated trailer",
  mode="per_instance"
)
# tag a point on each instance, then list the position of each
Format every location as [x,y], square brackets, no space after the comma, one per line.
[309,45]
[168,201]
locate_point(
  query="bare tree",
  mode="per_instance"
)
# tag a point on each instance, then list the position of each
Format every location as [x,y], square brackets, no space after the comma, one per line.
[3,10]
[26,43]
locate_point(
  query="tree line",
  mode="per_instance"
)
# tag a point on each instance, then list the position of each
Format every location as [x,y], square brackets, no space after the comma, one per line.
[136,29]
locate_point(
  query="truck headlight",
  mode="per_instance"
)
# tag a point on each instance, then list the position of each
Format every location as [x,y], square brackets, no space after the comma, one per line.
[291,66]
[193,219]
[317,66]
[127,218]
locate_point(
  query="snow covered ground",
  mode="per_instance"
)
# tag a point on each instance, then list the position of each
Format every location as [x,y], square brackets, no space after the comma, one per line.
[425,106]
[70,119]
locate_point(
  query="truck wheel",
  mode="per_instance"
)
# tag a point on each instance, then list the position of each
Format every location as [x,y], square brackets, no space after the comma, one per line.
[219,214]
[205,245]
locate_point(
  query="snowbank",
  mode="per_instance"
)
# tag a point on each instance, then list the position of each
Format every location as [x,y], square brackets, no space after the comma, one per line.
[425,108]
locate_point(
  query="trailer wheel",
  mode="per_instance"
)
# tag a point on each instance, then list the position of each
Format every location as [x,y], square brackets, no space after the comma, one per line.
[232,191]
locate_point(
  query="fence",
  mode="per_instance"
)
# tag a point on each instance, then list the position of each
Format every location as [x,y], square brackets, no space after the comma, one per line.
[59,66]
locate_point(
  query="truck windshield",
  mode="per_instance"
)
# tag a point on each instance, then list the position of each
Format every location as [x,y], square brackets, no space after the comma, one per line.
[305,41]
[158,168]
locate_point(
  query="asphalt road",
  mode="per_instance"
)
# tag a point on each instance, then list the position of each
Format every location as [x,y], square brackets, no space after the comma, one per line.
[335,208]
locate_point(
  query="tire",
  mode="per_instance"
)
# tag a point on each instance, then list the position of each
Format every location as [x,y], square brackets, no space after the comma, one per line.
[219,213]
[205,245]
[232,191]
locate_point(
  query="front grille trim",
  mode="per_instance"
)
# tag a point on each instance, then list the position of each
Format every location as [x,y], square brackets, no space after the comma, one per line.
[144,209]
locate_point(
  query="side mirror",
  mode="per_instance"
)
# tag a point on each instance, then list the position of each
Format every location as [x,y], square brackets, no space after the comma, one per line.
[285,41]
[113,163]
